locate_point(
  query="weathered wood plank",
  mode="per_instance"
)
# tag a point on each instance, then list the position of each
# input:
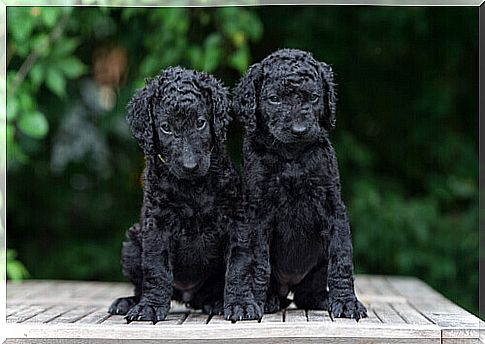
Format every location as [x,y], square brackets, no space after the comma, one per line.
[196,318]
[49,314]
[317,315]
[387,314]
[173,319]
[383,286]
[117,320]
[26,313]
[295,315]
[456,323]
[273,317]
[25,290]
[14,308]
[292,340]
[39,292]
[75,314]
[218,320]
[369,290]
[366,286]
[371,317]
[98,316]
[300,340]
[410,314]
[270,333]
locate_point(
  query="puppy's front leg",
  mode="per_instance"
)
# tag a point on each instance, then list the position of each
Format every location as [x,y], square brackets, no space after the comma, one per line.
[342,302]
[157,277]
[262,267]
[239,301]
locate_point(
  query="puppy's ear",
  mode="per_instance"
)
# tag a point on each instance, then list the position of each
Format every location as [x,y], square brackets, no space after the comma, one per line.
[246,96]
[219,103]
[139,119]
[327,119]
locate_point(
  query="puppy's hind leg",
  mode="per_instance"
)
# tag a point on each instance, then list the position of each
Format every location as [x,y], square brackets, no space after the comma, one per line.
[274,302]
[131,263]
[311,292]
[210,297]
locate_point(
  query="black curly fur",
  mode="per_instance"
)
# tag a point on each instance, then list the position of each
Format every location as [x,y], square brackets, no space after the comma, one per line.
[300,230]
[180,247]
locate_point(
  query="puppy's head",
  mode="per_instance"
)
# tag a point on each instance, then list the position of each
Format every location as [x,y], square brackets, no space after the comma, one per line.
[290,94]
[183,116]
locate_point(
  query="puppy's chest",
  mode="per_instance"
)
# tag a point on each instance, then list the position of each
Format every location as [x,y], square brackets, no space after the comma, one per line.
[293,254]
[193,249]
[195,204]
[296,197]
[298,182]
[197,237]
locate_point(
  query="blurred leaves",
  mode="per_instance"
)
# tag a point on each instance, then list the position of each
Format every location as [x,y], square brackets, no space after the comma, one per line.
[15,269]
[34,124]
[43,55]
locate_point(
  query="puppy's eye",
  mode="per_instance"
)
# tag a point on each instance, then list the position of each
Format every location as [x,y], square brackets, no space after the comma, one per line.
[274,99]
[314,97]
[201,123]
[166,128]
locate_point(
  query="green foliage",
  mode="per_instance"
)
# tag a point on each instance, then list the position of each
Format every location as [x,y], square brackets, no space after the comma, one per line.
[406,127]
[15,270]
[34,124]
[41,52]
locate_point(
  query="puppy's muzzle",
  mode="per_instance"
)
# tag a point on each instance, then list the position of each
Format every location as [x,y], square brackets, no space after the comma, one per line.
[189,164]
[299,129]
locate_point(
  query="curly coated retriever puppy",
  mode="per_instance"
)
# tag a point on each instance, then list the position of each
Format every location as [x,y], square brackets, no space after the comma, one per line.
[292,186]
[178,250]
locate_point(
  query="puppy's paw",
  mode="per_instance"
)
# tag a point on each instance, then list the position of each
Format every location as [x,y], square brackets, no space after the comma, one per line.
[215,308]
[347,308]
[145,311]
[122,305]
[243,311]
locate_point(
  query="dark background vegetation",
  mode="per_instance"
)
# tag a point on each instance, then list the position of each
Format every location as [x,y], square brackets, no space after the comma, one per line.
[406,134]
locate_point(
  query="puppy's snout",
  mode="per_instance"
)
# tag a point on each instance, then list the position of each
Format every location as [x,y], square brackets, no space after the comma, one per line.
[298,129]
[189,164]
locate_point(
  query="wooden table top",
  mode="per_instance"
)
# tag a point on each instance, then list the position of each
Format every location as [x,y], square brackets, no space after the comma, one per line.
[401,310]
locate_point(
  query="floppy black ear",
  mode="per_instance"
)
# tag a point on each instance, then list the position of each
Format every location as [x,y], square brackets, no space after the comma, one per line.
[140,120]
[246,97]
[327,119]
[220,104]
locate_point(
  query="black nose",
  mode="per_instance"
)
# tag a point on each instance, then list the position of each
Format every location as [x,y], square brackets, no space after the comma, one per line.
[299,129]
[190,165]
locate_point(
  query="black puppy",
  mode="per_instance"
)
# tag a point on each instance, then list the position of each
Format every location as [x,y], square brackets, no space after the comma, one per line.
[179,248]
[292,186]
